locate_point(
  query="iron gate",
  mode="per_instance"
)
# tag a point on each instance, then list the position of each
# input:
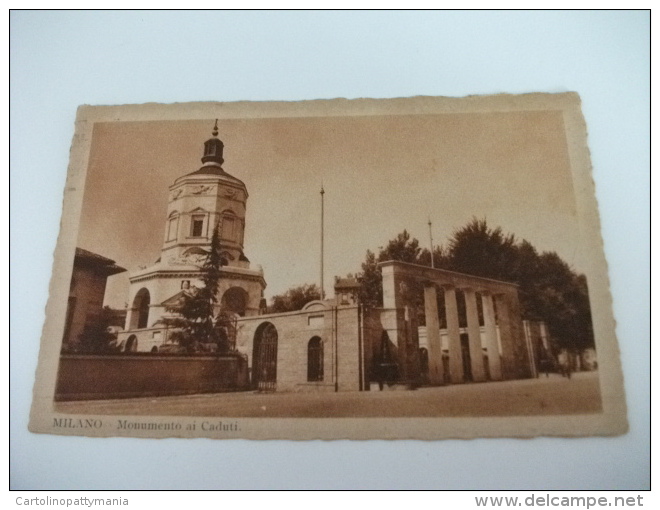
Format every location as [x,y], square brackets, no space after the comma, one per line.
[264,366]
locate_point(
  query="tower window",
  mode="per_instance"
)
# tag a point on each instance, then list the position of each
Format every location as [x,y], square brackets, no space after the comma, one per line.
[197,226]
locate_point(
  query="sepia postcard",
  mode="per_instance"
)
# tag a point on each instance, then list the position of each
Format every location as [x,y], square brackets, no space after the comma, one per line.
[415,268]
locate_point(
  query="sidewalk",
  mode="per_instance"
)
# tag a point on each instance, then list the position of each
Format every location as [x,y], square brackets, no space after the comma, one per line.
[542,396]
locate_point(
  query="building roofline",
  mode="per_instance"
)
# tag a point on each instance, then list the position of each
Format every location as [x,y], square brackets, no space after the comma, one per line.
[445,272]
[86,257]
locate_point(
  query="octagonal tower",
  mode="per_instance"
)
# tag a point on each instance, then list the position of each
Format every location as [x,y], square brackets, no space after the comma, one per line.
[198,201]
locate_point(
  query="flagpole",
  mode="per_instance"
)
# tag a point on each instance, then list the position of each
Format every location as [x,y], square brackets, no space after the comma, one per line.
[431,239]
[321,286]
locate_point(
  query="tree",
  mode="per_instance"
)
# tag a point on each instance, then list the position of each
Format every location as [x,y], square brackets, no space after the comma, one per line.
[560,297]
[440,257]
[198,326]
[294,298]
[481,251]
[371,282]
[402,248]
[96,337]
[549,289]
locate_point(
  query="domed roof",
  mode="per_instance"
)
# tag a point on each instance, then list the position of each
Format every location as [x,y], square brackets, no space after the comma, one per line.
[211,171]
[212,159]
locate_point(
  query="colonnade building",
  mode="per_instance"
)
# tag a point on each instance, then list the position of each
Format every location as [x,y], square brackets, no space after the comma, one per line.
[494,348]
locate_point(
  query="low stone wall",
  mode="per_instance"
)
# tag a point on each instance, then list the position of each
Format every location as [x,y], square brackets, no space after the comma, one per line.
[98,377]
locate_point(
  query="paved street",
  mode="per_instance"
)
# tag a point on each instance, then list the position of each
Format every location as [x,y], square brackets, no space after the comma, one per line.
[542,396]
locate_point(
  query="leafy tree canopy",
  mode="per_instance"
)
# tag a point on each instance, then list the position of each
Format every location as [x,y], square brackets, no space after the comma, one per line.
[294,298]
[481,251]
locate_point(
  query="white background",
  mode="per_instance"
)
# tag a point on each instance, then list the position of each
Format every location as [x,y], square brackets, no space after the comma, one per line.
[60,60]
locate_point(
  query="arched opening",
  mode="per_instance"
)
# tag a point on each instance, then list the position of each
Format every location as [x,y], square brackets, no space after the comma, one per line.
[141,302]
[131,344]
[315,359]
[264,357]
[384,368]
[235,300]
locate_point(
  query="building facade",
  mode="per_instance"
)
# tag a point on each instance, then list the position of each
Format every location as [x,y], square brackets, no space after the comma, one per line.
[86,292]
[329,345]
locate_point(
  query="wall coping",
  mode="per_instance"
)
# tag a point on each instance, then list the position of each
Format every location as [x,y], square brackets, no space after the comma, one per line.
[437,275]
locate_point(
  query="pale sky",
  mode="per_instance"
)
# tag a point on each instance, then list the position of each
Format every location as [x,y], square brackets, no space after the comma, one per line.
[381,174]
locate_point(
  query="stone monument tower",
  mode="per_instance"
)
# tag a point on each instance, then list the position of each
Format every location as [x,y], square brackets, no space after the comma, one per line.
[198,201]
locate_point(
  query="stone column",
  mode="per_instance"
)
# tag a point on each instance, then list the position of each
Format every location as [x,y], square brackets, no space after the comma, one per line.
[434,342]
[494,362]
[474,334]
[411,367]
[391,287]
[515,362]
[393,300]
[455,357]
[529,330]
[129,319]
[543,331]
[404,335]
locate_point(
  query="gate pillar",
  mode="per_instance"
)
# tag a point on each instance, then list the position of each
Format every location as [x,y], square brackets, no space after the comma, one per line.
[492,346]
[434,342]
[397,295]
[455,356]
[474,336]
[515,362]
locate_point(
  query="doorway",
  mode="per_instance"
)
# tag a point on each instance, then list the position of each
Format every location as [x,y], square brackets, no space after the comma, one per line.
[264,358]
